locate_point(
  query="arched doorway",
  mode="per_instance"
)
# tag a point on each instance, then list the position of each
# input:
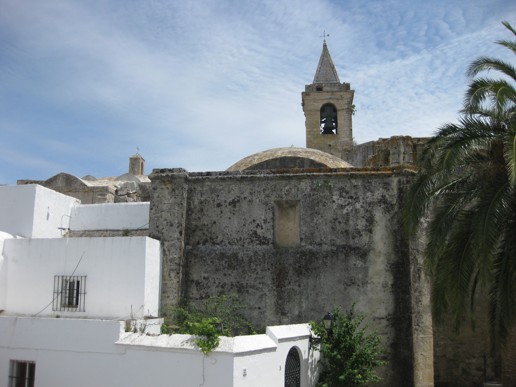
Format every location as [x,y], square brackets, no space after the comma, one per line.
[293,369]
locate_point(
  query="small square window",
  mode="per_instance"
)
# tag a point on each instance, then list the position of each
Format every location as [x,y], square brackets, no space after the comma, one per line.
[69,293]
[22,373]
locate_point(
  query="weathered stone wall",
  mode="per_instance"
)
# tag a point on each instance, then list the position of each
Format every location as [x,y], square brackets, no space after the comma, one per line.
[422,325]
[344,237]
[462,357]
[509,360]
[389,152]
[107,233]
[96,191]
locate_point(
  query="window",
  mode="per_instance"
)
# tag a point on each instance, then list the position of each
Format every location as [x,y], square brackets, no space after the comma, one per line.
[69,293]
[22,373]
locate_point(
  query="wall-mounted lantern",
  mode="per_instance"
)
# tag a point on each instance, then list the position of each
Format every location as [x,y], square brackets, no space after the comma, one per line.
[327,322]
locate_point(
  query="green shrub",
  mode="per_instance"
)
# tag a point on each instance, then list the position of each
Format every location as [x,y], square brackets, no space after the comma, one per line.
[207,334]
[349,354]
[165,329]
[207,320]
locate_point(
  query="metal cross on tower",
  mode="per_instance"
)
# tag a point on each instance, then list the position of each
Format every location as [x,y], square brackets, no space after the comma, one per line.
[324,35]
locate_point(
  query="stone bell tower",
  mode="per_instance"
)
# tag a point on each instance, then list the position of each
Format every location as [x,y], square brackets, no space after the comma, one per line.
[328,108]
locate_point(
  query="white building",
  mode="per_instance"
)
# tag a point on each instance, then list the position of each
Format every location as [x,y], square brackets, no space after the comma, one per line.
[83,311]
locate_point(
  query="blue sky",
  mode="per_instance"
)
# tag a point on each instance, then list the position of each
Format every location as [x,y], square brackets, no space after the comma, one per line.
[201,84]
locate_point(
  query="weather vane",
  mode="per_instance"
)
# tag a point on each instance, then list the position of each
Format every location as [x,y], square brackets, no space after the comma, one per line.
[324,35]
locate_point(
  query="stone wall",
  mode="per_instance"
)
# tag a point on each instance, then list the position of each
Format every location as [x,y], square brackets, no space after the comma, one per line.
[106,233]
[509,360]
[389,152]
[292,246]
[422,325]
[89,190]
[463,356]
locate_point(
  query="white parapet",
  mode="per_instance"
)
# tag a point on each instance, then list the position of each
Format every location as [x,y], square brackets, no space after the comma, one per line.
[33,211]
[110,216]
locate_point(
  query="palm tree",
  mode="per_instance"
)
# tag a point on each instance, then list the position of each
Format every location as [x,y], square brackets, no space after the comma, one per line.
[464,201]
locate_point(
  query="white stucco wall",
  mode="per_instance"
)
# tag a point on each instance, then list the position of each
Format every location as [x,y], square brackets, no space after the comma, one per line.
[71,352]
[3,269]
[51,213]
[17,209]
[33,211]
[122,275]
[110,216]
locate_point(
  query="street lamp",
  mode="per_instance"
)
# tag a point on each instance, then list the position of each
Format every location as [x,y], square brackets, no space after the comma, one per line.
[328,321]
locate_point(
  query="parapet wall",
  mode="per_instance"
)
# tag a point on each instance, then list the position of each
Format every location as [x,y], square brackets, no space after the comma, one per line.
[100,353]
[33,211]
[110,216]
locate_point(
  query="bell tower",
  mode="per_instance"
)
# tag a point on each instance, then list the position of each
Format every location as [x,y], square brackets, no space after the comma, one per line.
[328,108]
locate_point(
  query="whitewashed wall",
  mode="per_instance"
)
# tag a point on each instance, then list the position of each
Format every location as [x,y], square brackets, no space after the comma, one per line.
[288,336]
[122,275]
[109,216]
[3,270]
[98,353]
[33,211]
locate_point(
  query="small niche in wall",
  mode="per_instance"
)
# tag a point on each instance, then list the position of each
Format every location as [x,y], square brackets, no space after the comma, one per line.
[286,223]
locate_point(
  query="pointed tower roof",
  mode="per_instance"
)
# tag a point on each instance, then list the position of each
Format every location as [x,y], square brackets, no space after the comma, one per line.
[326,72]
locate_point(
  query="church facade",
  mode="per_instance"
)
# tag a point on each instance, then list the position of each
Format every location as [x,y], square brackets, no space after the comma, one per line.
[295,232]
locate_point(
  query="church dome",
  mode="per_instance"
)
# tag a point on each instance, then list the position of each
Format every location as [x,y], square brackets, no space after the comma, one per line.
[289,158]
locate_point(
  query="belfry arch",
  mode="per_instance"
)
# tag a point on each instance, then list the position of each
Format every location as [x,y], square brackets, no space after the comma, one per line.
[329,122]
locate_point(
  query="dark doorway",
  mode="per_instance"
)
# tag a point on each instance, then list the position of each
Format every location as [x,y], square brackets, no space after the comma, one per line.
[293,369]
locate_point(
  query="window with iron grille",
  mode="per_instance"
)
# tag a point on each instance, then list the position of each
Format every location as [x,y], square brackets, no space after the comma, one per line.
[22,373]
[69,293]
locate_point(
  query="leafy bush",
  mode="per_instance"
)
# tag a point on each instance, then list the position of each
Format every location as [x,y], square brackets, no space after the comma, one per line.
[207,334]
[208,319]
[349,354]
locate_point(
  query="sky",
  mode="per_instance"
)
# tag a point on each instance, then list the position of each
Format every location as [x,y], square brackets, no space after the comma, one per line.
[201,84]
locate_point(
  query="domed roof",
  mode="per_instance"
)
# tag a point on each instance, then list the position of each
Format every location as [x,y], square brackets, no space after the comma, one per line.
[289,158]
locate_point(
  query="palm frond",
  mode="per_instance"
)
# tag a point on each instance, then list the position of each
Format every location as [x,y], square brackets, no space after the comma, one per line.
[508,44]
[486,63]
[509,27]
[510,156]
[496,93]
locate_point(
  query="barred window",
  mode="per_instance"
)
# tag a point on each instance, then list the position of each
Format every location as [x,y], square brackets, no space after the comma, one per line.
[69,293]
[22,373]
